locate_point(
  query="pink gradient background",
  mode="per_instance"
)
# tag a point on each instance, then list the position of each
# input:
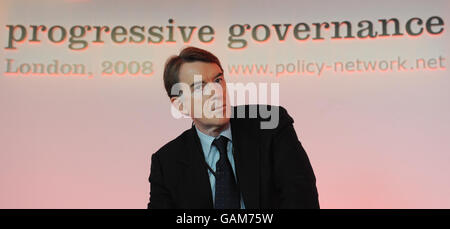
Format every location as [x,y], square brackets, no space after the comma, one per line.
[375,140]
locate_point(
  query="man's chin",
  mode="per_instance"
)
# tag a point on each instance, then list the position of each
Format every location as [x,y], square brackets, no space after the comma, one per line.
[215,121]
[220,121]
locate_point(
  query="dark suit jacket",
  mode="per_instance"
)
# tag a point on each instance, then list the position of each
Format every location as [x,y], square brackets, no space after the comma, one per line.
[272,168]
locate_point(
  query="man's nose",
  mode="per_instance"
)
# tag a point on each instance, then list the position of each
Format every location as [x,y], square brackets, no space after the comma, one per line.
[215,90]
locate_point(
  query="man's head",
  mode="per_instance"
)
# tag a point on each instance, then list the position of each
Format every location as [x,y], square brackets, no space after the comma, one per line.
[195,84]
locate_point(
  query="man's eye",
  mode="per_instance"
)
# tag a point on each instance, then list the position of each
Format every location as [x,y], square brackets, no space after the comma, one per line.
[218,80]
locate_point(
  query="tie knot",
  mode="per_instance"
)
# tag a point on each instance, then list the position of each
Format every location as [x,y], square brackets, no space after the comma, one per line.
[221,144]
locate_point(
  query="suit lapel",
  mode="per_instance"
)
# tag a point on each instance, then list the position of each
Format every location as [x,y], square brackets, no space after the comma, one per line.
[194,184]
[247,158]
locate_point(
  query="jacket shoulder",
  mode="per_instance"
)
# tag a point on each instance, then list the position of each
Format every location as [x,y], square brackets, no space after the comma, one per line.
[268,117]
[169,149]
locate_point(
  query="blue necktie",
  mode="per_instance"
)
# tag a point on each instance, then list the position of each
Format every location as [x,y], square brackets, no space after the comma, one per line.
[227,192]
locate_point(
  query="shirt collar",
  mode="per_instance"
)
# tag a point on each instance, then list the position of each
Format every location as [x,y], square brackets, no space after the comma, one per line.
[206,140]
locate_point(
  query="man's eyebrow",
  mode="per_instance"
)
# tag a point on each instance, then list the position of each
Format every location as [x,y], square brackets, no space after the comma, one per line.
[219,74]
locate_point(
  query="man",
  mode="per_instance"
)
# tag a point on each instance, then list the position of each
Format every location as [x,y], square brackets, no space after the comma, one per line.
[226,160]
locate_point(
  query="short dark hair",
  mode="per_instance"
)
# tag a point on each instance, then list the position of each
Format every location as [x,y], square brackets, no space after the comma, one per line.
[187,55]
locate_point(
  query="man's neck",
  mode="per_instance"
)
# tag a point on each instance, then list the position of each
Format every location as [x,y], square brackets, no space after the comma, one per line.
[211,130]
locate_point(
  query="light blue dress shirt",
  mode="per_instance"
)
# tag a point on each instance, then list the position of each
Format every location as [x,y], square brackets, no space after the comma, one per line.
[212,155]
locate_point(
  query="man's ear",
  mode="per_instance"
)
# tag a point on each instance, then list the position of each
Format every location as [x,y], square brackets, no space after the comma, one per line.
[179,105]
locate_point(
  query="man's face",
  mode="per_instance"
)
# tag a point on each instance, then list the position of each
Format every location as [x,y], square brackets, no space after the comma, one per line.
[207,101]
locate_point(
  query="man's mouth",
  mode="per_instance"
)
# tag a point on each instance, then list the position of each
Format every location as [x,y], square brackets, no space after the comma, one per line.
[219,108]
